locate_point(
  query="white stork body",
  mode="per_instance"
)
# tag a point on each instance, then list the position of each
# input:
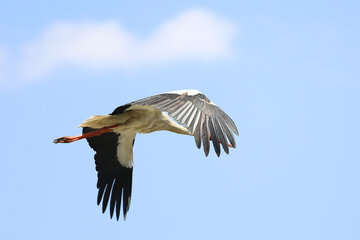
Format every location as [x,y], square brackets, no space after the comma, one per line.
[112,136]
[136,119]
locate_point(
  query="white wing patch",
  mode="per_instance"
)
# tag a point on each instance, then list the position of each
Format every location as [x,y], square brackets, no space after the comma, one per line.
[125,149]
[189,92]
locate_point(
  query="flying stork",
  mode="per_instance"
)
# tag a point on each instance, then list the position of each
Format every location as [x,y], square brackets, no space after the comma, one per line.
[112,137]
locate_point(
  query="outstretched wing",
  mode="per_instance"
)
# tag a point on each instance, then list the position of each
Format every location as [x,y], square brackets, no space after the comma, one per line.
[114,179]
[202,118]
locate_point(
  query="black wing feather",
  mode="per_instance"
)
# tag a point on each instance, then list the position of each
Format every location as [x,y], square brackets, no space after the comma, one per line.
[197,132]
[114,180]
[118,199]
[127,192]
[214,137]
[205,136]
[221,135]
[113,197]
[106,196]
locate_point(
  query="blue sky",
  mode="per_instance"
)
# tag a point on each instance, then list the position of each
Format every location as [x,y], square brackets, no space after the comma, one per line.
[286,72]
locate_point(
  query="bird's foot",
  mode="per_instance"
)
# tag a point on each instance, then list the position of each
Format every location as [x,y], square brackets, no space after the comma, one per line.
[65,140]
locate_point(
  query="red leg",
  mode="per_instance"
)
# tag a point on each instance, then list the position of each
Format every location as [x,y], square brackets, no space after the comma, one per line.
[85,135]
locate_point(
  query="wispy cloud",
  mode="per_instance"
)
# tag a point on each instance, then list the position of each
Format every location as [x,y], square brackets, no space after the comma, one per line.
[195,34]
[3,58]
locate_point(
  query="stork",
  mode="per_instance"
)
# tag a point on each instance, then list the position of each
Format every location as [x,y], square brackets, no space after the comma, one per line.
[112,137]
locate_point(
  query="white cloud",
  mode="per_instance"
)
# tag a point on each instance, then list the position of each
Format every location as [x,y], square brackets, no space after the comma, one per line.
[193,35]
[196,34]
[86,44]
